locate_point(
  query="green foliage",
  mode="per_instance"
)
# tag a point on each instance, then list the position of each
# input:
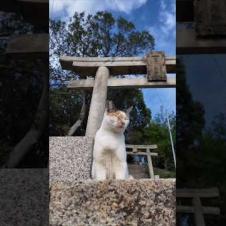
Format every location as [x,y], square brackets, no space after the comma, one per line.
[190,114]
[201,152]
[21,90]
[12,24]
[158,133]
[165,173]
[96,35]
[64,110]
[21,84]
[102,35]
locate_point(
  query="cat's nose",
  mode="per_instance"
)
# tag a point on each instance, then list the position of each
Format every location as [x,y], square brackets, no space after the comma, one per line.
[121,124]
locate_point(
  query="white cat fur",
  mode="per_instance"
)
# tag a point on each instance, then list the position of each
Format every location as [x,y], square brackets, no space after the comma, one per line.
[109,154]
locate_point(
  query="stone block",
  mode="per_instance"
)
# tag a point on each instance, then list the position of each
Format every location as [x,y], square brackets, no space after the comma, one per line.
[210,18]
[24,197]
[70,158]
[109,203]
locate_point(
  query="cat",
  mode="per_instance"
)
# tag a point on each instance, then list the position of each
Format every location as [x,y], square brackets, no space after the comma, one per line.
[109,153]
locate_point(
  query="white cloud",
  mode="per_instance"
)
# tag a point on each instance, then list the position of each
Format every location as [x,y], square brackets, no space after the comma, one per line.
[92,6]
[125,5]
[167,16]
[165,31]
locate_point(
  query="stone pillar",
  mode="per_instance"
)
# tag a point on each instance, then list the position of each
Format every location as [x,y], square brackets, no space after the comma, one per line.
[97,106]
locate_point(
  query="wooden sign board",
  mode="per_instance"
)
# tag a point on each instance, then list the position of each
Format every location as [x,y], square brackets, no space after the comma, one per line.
[210,17]
[189,43]
[156,66]
[201,26]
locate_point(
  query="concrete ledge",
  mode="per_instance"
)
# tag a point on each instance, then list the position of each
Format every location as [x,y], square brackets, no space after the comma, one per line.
[70,158]
[109,203]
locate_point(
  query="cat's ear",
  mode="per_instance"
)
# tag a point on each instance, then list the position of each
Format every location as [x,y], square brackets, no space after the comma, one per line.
[129,110]
[110,107]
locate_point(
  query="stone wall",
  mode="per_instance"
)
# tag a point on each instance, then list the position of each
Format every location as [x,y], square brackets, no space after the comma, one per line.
[24,195]
[109,203]
[70,158]
[78,200]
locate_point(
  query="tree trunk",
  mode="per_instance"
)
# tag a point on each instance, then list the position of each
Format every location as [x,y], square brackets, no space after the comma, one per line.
[36,130]
[78,123]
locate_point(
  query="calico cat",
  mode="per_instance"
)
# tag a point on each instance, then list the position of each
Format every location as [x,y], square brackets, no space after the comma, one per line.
[109,154]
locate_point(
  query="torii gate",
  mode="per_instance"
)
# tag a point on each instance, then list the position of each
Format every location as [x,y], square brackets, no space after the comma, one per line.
[155,65]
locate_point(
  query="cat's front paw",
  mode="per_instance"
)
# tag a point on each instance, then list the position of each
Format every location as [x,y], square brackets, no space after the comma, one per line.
[100,179]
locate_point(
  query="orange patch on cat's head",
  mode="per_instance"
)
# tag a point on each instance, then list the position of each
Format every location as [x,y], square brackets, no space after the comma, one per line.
[118,114]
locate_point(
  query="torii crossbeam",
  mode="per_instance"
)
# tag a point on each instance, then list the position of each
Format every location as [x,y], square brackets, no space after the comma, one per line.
[87,66]
[102,68]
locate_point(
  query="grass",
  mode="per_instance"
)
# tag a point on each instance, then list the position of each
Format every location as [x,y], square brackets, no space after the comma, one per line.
[164,173]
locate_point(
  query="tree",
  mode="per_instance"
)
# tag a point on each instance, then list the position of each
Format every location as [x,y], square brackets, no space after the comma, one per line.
[96,35]
[201,152]
[190,124]
[102,35]
[190,113]
[24,142]
[157,132]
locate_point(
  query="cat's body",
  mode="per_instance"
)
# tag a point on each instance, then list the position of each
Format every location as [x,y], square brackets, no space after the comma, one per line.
[109,154]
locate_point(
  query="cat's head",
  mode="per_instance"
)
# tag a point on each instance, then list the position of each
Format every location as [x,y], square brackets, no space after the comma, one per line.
[116,120]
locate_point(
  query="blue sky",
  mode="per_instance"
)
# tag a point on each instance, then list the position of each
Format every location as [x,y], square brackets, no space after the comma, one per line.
[155,16]
[206,79]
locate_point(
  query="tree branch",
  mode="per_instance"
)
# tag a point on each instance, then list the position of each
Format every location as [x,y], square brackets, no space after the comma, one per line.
[36,130]
[78,123]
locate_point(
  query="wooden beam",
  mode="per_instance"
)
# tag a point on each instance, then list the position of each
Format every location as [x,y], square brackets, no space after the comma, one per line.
[87,66]
[123,83]
[206,209]
[150,146]
[203,193]
[32,44]
[141,153]
[189,43]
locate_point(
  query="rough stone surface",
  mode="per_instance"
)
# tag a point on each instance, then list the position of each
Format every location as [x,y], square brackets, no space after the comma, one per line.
[70,158]
[109,203]
[24,197]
